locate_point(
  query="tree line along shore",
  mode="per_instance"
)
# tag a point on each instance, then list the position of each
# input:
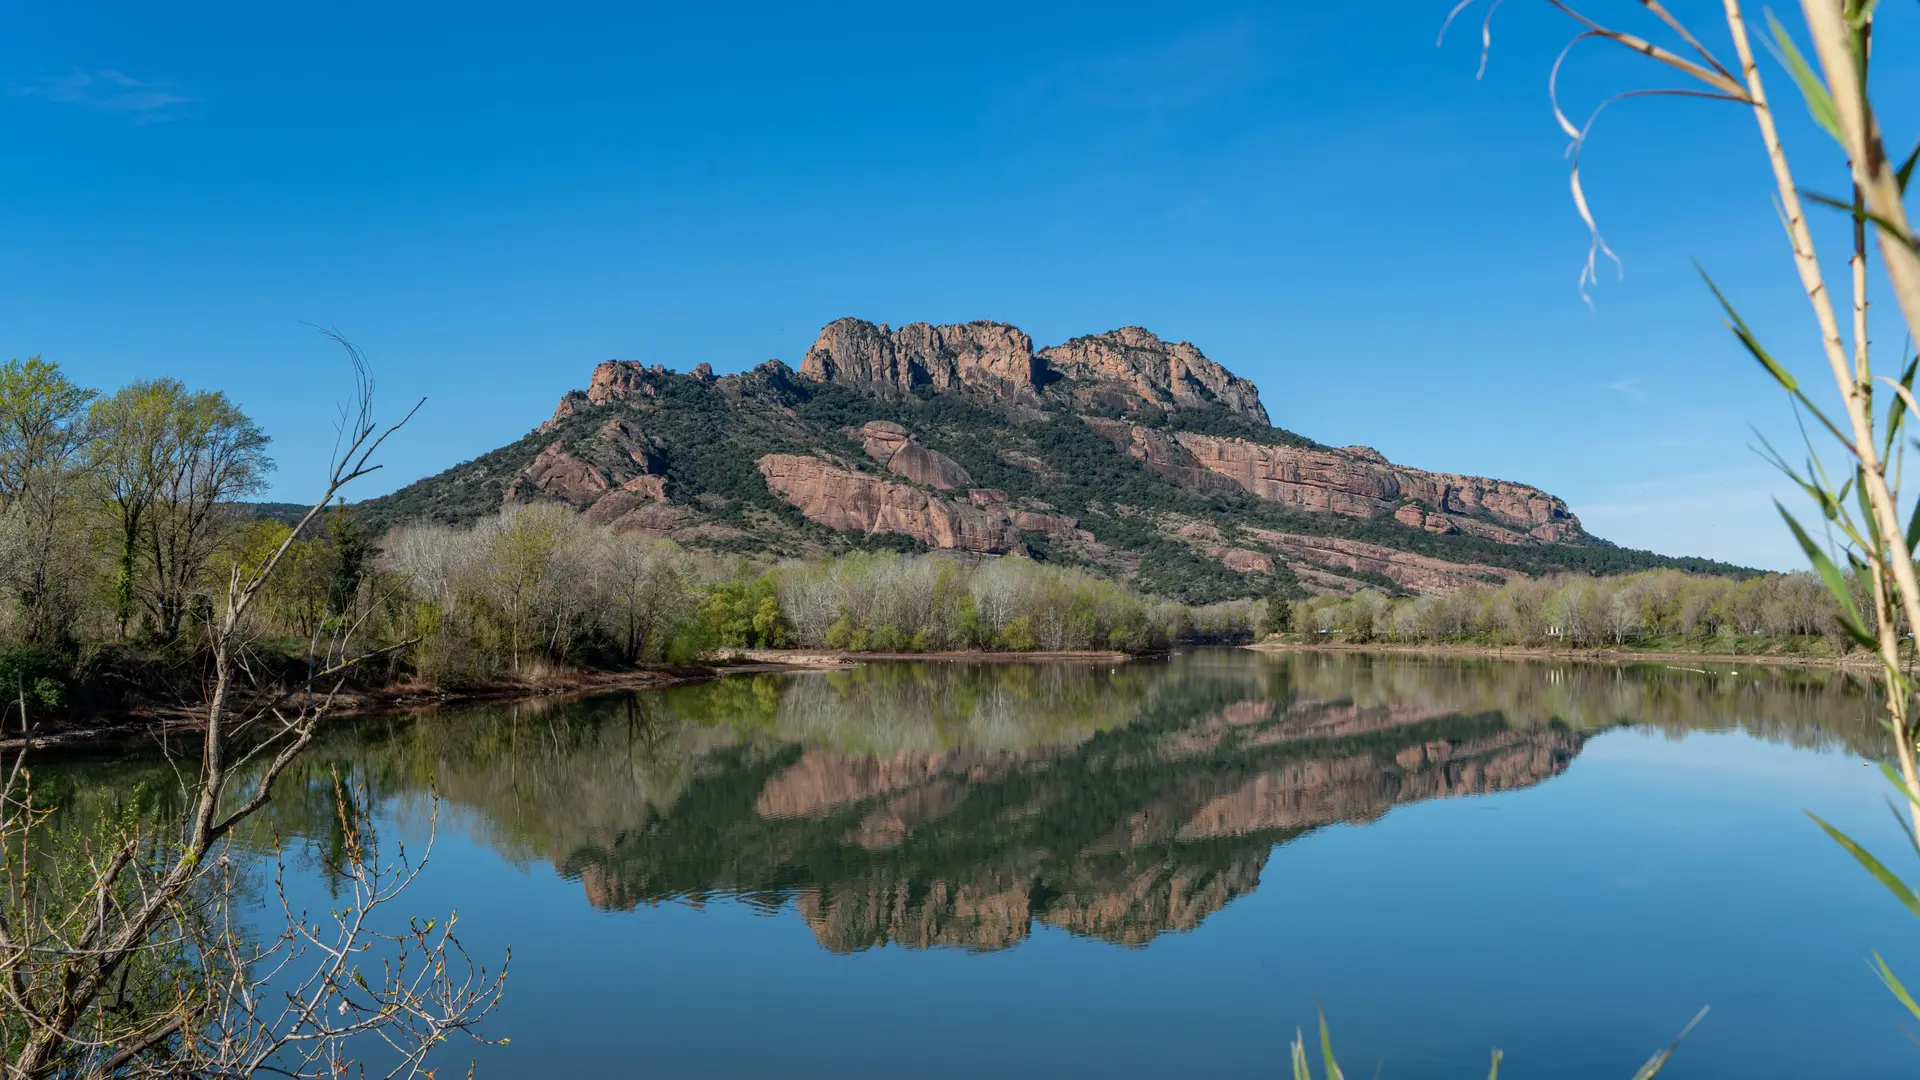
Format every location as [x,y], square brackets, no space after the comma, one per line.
[1657,612]
[124,515]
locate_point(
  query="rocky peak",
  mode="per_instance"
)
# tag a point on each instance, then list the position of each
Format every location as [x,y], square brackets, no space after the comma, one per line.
[616,379]
[611,381]
[1131,367]
[988,356]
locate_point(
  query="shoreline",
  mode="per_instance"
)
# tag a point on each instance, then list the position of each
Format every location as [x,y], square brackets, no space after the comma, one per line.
[1856,661]
[409,698]
[829,659]
[412,697]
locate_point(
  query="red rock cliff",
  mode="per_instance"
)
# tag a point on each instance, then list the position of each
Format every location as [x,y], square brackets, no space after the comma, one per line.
[850,501]
[1128,368]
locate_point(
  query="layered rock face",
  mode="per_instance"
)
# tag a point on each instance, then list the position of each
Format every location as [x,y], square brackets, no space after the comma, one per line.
[990,356]
[1131,367]
[1360,482]
[889,444]
[849,501]
[619,457]
[1357,481]
[611,381]
[1415,573]
[1128,368]
[1158,450]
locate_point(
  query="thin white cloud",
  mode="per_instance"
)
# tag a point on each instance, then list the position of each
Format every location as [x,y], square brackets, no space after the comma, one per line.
[1630,387]
[110,92]
[1720,514]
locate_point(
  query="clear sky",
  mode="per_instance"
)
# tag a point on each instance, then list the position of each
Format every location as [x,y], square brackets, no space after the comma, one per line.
[491,198]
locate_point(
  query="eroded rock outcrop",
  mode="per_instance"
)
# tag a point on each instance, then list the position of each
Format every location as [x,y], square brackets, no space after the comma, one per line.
[556,472]
[890,444]
[1357,481]
[1360,482]
[1416,573]
[988,356]
[1159,451]
[1421,518]
[856,502]
[1131,367]
[616,379]
[1058,526]
[1128,368]
[618,457]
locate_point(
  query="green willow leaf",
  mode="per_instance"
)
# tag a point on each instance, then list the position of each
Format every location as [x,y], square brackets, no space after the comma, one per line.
[1494,1073]
[1830,575]
[1906,168]
[1819,101]
[1906,829]
[1893,985]
[1829,506]
[1899,784]
[1326,1050]
[1880,873]
[1740,330]
[1861,213]
[1859,482]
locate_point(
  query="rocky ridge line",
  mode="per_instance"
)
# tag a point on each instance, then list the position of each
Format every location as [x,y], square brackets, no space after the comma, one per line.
[872,477]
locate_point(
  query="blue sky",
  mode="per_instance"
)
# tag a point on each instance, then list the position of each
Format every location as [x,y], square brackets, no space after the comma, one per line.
[490,199]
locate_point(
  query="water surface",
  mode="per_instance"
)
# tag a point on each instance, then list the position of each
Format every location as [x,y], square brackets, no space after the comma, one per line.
[1154,868]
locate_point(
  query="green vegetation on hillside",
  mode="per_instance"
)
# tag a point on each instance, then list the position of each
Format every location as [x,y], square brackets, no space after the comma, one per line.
[713,434]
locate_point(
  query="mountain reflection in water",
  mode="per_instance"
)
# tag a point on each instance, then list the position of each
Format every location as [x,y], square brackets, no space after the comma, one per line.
[945,804]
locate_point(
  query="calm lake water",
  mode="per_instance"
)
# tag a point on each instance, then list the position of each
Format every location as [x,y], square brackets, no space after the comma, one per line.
[1155,868]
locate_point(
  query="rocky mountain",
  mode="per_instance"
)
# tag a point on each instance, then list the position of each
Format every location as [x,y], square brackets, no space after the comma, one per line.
[1136,457]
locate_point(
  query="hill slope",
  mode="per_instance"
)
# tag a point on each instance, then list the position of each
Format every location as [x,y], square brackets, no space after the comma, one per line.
[1138,458]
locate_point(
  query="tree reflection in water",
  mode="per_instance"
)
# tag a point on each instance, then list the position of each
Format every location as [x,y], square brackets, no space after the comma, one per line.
[944,804]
